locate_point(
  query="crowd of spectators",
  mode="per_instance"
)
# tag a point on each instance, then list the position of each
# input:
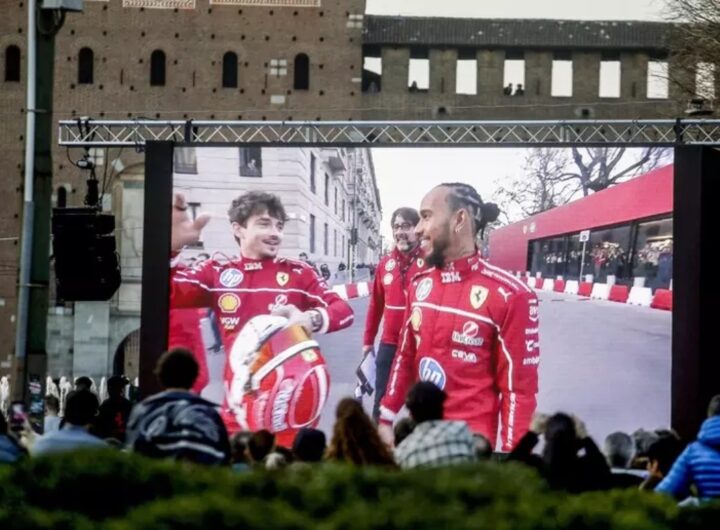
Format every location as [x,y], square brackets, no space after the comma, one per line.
[177,424]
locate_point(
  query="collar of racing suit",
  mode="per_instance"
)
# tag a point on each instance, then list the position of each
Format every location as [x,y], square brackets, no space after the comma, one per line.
[406,258]
[470,263]
[248,262]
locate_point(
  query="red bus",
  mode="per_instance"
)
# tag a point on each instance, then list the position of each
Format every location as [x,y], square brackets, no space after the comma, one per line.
[630,235]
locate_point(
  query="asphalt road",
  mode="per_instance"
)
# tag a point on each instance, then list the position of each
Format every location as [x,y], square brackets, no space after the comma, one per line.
[608,363]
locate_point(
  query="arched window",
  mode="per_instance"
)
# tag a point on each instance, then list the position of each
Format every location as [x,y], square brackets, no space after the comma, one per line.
[61,197]
[86,66]
[12,63]
[230,70]
[302,72]
[157,68]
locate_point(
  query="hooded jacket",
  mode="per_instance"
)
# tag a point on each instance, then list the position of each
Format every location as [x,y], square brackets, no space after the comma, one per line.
[699,464]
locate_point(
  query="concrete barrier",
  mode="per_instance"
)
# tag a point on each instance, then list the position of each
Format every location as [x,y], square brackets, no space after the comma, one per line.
[641,296]
[585,289]
[663,299]
[619,293]
[572,287]
[600,291]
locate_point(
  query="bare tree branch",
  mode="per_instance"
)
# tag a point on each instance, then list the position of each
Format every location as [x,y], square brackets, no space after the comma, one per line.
[695,39]
[553,177]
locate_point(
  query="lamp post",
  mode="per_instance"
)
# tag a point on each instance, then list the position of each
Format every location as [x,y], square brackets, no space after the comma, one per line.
[354,229]
[45,18]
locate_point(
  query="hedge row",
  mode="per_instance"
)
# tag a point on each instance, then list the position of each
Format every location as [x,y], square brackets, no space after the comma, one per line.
[116,491]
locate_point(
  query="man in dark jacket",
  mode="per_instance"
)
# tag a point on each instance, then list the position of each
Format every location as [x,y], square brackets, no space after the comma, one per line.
[176,423]
[112,418]
[10,449]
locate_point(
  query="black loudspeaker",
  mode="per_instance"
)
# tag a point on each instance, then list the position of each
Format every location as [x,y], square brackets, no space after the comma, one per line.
[87,267]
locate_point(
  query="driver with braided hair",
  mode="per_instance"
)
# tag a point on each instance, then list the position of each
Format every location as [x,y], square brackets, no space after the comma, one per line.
[469,327]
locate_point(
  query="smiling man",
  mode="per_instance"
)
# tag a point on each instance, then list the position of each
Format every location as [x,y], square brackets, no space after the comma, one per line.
[389,296]
[470,328]
[257,283]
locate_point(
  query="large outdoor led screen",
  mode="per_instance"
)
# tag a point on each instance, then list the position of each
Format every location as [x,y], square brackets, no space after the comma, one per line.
[599,262]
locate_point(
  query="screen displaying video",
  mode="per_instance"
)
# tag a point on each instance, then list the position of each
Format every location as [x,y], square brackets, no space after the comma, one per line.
[299,276]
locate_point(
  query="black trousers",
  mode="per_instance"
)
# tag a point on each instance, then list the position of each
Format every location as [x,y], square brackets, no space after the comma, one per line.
[383,364]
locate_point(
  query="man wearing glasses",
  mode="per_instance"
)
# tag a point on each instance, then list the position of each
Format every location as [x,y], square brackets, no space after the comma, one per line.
[387,301]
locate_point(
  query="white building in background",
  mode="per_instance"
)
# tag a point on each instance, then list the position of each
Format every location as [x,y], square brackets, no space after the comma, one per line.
[318,187]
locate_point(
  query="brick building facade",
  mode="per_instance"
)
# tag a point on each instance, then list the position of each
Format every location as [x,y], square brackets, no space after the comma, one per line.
[301,59]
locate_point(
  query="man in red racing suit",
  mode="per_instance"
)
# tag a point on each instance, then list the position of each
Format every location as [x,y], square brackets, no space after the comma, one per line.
[240,289]
[470,328]
[389,297]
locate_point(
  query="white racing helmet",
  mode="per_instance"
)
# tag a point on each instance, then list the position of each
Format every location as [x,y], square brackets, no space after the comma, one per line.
[279,378]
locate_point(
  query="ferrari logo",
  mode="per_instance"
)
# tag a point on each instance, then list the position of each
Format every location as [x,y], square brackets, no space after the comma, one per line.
[478,295]
[282,278]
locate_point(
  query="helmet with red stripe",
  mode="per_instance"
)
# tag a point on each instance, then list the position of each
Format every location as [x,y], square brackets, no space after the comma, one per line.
[280,380]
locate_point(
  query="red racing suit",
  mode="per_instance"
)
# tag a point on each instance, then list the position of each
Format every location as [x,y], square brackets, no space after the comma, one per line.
[389,295]
[185,331]
[240,289]
[471,329]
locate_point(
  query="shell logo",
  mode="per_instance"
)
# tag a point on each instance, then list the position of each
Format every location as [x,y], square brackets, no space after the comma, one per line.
[228,302]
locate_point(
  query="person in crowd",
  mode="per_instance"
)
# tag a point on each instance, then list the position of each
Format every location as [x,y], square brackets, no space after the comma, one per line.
[10,449]
[265,282]
[275,460]
[661,455]
[434,442]
[508,90]
[177,423]
[51,422]
[619,451]
[699,463]
[483,447]
[279,458]
[325,271]
[355,439]
[239,459]
[472,328]
[402,430]
[83,383]
[310,263]
[260,444]
[561,463]
[309,445]
[642,439]
[114,411]
[201,258]
[81,407]
[389,296]
[519,91]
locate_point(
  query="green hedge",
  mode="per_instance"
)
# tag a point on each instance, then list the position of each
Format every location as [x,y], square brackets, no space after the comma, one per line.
[116,491]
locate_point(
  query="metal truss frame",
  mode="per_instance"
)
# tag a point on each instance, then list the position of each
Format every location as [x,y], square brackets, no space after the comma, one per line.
[110,133]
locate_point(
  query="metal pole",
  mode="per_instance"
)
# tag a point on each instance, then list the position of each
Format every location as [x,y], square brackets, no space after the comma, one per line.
[26,237]
[582,261]
[353,232]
